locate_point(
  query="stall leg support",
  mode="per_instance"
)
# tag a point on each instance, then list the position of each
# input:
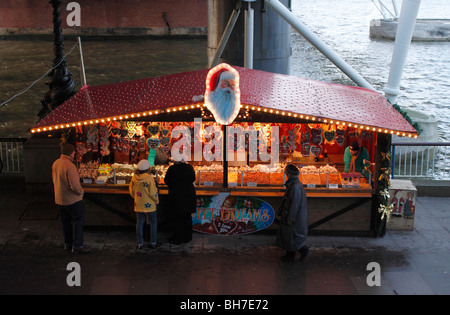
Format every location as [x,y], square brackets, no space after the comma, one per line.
[357,203]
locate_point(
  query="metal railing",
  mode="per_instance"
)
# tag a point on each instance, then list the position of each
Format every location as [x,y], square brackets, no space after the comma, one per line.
[427,160]
[11,155]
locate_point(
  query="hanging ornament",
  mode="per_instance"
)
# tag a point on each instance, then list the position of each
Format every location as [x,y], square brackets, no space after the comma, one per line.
[142,144]
[139,131]
[133,148]
[316,150]
[126,145]
[305,148]
[385,211]
[316,136]
[291,140]
[119,145]
[152,143]
[165,132]
[103,139]
[114,144]
[131,127]
[329,133]
[340,132]
[153,129]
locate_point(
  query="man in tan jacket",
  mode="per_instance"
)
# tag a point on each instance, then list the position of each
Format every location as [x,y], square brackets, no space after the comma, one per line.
[69,198]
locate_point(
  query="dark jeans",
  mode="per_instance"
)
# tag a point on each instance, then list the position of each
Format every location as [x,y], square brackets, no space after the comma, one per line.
[153,217]
[72,219]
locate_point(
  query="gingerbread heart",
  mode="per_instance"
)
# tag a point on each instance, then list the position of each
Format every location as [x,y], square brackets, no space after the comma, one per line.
[340,141]
[153,129]
[316,150]
[340,132]
[152,143]
[316,140]
[305,149]
[224,227]
[305,137]
[329,135]
[165,141]
[165,132]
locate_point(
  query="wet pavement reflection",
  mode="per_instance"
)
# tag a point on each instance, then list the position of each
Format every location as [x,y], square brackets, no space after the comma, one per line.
[33,261]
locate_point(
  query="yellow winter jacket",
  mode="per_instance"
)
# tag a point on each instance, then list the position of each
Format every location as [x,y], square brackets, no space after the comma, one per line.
[144,192]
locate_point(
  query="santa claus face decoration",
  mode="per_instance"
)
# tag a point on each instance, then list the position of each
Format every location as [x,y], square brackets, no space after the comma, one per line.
[222,95]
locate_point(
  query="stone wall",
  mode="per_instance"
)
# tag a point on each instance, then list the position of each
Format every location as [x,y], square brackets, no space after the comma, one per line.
[107,17]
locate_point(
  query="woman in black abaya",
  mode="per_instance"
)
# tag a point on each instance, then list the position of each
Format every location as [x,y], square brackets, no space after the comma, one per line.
[180,178]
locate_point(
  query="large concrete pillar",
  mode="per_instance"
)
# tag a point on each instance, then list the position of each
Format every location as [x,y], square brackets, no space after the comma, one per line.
[271,50]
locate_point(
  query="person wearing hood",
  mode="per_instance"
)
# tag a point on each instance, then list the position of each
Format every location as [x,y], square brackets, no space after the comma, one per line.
[293,212]
[69,198]
[145,194]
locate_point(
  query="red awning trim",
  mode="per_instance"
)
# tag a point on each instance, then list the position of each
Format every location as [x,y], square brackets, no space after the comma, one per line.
[320,101]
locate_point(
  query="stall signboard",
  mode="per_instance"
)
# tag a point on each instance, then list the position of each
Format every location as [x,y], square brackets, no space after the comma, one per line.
[230,215]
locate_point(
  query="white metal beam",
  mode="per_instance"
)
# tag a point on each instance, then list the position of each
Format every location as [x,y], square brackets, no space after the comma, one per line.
[327,51]
[405,29]
[249,34]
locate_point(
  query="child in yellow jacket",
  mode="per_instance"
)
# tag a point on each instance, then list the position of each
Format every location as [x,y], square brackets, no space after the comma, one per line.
[145,194]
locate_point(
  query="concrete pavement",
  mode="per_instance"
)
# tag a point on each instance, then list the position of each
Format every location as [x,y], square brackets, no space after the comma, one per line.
[32,260]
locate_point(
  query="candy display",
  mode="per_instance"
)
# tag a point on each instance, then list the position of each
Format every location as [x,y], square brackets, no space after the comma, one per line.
[310,175]
[89,170]
[108,153]
[94,172]
[351,179]
[212,175]
[331,172]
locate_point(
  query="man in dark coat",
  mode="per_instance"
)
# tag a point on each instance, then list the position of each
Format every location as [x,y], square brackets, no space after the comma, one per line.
[294,217]
[180,178]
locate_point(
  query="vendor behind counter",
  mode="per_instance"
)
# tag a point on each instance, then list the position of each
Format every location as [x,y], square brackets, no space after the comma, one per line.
[354,157]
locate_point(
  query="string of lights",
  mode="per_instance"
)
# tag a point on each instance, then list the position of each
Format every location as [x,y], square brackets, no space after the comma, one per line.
[248,108]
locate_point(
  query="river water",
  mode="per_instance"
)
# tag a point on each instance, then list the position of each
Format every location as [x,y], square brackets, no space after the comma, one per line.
[342,24]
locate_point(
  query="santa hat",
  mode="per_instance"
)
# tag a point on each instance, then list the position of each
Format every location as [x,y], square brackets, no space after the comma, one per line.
[220,74]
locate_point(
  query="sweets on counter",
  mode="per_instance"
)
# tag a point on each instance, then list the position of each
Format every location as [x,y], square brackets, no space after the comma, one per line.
[89,170]
[259,175]
[309,175]
[333,175]
[276,179]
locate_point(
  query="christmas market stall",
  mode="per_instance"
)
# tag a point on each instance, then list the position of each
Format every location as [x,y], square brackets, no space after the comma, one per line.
[238,128]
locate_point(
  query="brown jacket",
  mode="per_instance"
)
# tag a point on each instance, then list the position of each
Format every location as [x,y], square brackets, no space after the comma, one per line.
[66,181]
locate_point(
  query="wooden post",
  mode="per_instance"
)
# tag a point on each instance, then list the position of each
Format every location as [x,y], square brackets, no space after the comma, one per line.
[224,157]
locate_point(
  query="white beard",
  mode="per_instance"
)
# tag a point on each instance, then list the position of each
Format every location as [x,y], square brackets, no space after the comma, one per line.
[223,104]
